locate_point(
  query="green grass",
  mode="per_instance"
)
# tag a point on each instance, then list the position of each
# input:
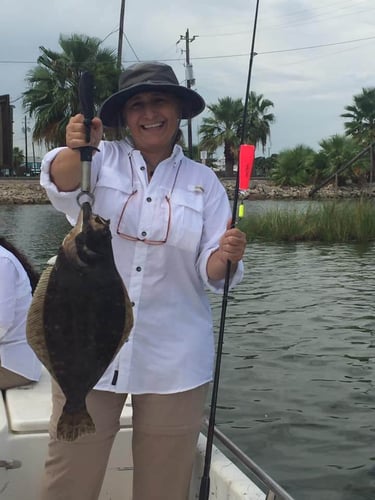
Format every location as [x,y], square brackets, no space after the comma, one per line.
[328,222]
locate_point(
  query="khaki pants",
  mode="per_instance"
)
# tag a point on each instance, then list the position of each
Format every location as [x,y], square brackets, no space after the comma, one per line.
[165,433]
[9,379]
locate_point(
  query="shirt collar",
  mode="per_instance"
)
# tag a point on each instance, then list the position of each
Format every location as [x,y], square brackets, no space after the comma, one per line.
[175,158]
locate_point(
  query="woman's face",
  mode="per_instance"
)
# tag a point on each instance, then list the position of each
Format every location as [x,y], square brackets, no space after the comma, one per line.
[153,120]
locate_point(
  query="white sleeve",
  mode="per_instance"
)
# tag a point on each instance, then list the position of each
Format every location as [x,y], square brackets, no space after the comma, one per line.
[216,215]
[8,277]
[64,201]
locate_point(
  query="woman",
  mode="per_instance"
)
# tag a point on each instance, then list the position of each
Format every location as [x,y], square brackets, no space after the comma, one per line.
[18,363]
[170,220]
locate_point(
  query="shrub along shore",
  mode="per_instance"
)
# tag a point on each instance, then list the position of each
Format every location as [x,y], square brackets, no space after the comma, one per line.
[337,219]
[332,221]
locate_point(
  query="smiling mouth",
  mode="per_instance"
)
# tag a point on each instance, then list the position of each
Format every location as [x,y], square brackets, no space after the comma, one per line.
[153,125]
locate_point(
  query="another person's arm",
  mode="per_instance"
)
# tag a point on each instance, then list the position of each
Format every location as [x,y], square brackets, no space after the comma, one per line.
[8,277]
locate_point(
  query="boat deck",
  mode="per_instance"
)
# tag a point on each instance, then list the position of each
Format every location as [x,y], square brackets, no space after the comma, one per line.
[24,417]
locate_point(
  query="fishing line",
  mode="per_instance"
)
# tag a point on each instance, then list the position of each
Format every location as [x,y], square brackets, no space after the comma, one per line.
[205,481]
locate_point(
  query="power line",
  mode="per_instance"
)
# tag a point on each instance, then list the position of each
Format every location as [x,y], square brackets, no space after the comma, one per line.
[314,18]
[312,14]
[279,51]
[15,100]
[131,47]
[17,62]
[319,46]
[109,34]
[295,49]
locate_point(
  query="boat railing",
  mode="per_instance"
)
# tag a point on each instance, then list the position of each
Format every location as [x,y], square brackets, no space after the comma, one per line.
[271,488]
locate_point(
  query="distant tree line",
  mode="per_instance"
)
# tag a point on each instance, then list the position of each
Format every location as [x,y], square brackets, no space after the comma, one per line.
[52,97]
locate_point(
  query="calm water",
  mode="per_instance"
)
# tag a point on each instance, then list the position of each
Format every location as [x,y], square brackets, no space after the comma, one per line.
[297,377]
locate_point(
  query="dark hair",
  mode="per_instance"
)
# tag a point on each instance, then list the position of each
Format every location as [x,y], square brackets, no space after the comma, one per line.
[179,137]
[30,271]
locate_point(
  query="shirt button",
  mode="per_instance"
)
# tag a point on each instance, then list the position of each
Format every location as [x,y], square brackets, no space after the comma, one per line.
[138,268]
[143,168]
[132,304]
[143,233]
[148,199]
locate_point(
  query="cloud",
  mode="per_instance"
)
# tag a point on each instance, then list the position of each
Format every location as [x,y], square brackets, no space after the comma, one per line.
[309,86]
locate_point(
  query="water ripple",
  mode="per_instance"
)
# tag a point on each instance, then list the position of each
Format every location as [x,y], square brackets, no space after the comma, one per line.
[297,378]
[305,408]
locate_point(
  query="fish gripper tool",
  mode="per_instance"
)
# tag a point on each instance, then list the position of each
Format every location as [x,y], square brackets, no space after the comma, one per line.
[86,99]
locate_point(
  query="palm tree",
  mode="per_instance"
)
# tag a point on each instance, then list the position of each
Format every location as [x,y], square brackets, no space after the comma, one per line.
[224,127]
[18,158]
[292,166]
[339,150]
[362,117]
[221,129]
[52,96]
[259,120]
[318,165]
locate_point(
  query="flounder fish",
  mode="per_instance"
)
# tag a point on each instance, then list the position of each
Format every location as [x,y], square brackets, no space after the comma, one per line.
[80,317]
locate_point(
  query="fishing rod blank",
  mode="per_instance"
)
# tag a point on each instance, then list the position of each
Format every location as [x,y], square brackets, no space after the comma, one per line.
[205,481]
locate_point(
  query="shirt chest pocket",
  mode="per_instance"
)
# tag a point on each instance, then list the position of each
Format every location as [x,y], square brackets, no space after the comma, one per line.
[186,220]
[111,193]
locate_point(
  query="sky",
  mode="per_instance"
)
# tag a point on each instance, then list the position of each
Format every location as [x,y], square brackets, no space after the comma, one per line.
[311,57]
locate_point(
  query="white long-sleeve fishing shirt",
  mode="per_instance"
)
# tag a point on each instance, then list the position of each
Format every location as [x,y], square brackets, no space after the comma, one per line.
[15,297]
[171,346]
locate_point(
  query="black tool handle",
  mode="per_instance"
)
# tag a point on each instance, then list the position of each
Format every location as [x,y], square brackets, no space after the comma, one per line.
[86,99]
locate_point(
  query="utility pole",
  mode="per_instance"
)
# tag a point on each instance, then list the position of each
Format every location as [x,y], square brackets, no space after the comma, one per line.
[120,34]
[189,82]
[26,129]
[34,166]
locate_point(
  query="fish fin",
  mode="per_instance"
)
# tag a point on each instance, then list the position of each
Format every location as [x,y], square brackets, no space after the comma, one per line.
[35,328]
[52,260]
[73,425]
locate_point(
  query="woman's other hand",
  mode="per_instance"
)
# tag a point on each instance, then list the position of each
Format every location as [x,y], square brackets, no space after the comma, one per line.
[232,247]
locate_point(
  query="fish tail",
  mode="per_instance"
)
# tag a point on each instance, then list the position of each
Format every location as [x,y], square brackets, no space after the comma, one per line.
[73,425]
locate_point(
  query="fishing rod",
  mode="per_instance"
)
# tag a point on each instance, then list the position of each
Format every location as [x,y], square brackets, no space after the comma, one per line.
[247,161]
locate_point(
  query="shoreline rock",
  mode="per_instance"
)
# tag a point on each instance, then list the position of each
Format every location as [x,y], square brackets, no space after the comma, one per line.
[29,191]
[261,189]
[22,192]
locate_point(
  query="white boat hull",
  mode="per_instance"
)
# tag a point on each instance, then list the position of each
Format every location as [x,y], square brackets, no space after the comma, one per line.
[24,419]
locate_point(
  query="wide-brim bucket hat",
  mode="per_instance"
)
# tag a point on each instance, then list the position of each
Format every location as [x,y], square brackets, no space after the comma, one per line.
[146,77]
